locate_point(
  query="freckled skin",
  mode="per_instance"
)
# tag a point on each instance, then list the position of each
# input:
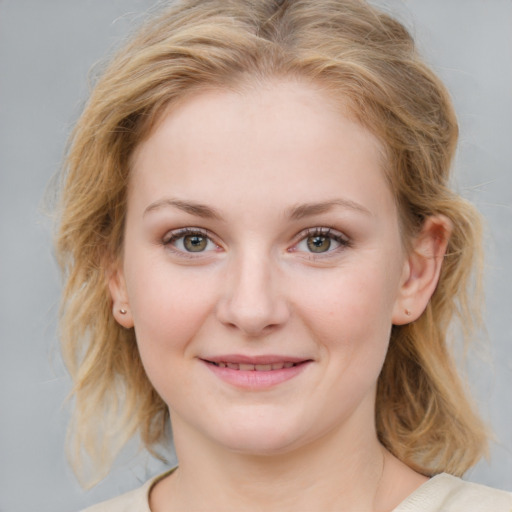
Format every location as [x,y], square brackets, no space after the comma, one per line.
[258,288]
[260,227]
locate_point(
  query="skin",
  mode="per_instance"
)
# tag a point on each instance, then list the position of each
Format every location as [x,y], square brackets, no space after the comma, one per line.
[258,177]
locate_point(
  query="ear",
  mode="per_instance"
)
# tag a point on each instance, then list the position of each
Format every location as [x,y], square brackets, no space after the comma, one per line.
[120,303]
[422,268]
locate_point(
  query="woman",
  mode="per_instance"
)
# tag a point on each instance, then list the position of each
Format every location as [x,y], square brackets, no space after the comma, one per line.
[260,245]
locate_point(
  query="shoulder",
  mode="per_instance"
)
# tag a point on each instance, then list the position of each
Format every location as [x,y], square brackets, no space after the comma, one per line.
[446,493]
[133,501]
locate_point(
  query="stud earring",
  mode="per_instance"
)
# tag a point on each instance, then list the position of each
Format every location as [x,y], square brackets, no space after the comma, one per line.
[407,312]
[123,311]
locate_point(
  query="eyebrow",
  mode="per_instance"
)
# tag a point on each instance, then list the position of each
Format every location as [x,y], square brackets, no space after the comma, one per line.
[309,209]
[197,209]
[295,213]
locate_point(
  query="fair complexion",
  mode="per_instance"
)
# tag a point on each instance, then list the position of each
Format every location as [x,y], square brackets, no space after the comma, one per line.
[262,270]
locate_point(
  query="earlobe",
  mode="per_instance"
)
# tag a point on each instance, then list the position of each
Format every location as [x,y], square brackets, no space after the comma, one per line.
[120,304]
[422,269]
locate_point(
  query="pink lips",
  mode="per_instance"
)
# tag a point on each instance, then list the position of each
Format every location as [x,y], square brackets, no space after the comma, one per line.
[257,372]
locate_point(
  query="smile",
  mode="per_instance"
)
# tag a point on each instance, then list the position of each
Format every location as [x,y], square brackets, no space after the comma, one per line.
[255,373]
[246,367]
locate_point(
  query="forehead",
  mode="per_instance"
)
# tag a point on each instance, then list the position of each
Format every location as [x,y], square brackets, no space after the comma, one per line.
[284,135]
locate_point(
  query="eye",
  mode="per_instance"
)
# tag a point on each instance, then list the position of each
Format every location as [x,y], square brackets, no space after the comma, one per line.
[321,240]
[318,243]
[190,240]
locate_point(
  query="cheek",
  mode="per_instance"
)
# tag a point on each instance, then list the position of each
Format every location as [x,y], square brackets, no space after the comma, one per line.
[350,312]
[168,308]
[352,298]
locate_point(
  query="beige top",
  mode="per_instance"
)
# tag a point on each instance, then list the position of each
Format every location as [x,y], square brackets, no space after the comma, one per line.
[442,493]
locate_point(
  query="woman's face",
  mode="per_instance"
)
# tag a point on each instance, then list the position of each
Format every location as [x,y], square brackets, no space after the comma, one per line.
[262,267]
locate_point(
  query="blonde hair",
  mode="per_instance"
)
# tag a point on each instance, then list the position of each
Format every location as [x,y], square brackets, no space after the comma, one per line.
[358,54]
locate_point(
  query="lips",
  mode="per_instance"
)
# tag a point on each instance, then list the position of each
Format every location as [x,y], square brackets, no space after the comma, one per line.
[260,363]
[255,372]
[247,367]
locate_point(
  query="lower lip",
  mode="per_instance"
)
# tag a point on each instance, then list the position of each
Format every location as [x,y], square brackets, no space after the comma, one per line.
[254,379]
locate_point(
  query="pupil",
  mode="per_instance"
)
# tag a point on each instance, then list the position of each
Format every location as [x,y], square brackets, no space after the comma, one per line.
[195,243]
[319,243]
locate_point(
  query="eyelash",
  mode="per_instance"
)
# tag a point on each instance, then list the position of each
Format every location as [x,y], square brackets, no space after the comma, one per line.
[324,232]
[172,237]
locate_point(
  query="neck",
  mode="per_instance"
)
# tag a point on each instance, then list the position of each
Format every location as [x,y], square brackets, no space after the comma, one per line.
[341,471]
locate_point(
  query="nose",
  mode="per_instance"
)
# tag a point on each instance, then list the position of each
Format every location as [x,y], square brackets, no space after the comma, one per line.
[253,301]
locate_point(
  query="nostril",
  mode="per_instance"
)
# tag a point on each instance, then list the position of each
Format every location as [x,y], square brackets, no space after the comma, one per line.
[252,321]
[252,302]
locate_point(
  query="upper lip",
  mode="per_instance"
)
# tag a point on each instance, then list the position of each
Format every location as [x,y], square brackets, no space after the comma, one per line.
[261,359]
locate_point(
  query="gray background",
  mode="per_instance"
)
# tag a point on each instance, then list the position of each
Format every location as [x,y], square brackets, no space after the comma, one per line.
[46,50]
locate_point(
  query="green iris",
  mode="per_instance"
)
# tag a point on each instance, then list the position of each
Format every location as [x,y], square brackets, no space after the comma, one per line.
[195,243]
[319,243]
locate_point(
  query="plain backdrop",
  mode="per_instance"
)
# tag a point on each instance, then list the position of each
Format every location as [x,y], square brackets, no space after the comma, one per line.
[46,50]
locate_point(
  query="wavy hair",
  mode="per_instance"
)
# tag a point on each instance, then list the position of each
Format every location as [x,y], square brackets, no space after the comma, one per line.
[358,54]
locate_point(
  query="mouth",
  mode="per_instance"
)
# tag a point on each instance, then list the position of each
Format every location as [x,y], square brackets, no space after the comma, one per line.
[259,372]
[247,367]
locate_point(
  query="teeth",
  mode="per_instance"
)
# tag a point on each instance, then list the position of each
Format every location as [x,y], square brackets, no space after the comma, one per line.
[245,367]
[263,367]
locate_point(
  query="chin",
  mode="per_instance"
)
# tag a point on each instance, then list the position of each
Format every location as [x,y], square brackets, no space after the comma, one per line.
[260,438]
